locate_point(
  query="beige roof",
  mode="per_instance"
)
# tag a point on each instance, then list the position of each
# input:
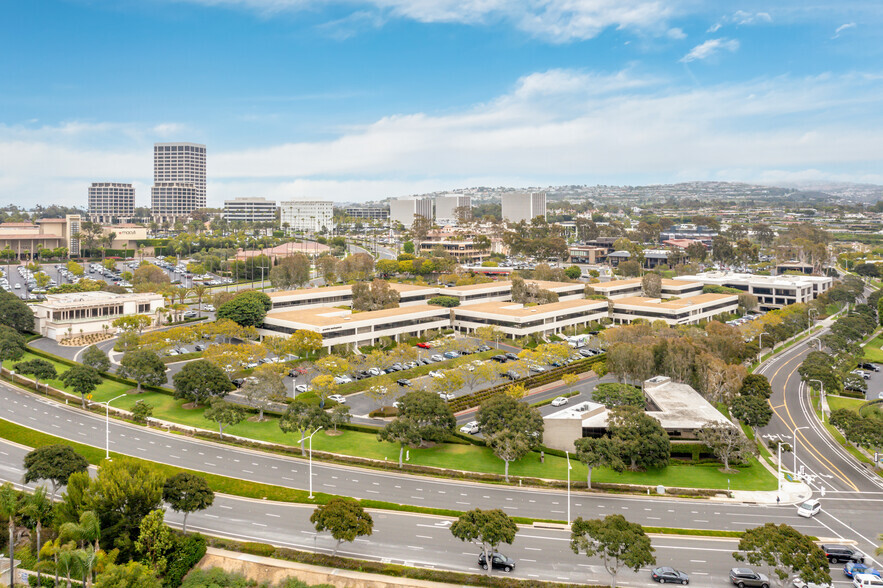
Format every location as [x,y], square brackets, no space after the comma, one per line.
[328,317]
[637,282]
[679,304]
[305,291]
[478,287]
[514,309]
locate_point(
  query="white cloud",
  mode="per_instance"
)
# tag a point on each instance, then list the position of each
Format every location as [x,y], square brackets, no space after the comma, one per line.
[558,21]
[676,33]
[710,48]
[557,126]
[842,28]
[741,18]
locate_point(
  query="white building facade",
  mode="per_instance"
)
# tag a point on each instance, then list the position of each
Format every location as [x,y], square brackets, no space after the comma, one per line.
[772,292]
[307,215]
[250,210]
[449,206]
[111,202]
[523,206]
[179,180]
[403,210]
[64,315]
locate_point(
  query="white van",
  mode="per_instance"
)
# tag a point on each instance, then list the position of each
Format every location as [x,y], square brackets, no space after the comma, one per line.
[809,508]
[867,581]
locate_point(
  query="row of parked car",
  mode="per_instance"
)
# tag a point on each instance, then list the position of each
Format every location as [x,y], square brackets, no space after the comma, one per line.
[406,365]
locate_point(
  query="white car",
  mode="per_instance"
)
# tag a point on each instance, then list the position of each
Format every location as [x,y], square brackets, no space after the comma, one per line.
[436,374]
[470,428]
[342,380]
[209,307]
[560,401]
[375,371]
[337,398]
[446,396]
[866,581]
[301,388]
[809,508]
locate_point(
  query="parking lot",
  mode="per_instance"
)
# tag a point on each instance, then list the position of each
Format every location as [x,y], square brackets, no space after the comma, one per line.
[875,382]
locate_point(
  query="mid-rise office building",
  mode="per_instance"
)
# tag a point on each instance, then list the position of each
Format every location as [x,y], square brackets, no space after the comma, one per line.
[111,202]
[380,213]
[523,206]
[772,292]
[450,207]
[179,180]
[307,215]
[403,210]
[250,210]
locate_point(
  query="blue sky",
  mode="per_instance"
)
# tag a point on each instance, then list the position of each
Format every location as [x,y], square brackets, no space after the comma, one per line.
[364,99]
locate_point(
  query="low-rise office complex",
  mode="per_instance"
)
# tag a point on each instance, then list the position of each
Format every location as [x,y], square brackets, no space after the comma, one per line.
[331,296]
[250,210]
[64,315]
[682,311]
[517,320]
[771,291]
[679,409]
[633,287]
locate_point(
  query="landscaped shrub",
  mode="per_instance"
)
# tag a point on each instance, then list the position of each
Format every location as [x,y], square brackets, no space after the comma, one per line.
[185,554]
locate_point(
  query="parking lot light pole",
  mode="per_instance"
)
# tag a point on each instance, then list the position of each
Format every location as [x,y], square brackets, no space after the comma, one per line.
[311,459]
[821,396]
[107,424]
[759,346]
[567,455]
[794,447]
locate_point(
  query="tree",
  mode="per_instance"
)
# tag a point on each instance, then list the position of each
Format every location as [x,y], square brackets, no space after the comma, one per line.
[141,411]
[344,518]
[130,575]
[224,413]
[302,418]
[787,554]
[504,412]
[12,345]
[38,510]
[432,415]
[327,266]
[629,268]
[619,543]
[569,380]
[615,394]
[96,358]
[243,310]
[55,463]
[374,296]
[40,369]
[340,415]
[573,272]
[651,285]
[305,342]
[324,386]
[134,322]
[509,445]
[82,379]
[293,270]
[187,493]
[154,541]
[696,251]
[14,313]
[490,333]
[597,452]
[403,431]
[725,441]
[9,507]
[150,278]
[643,440]
[451,381]
[265,385]
[200,380]
[756,385]
[752,411]
[487,529]
[145,367]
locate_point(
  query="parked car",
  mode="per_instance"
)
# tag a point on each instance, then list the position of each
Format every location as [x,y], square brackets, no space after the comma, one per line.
[238,382]
[437,357]
[586,352]
[483,348]
[743,577]
[424,345]
[498,562]
[301,388]
[837,553]
[500,358]
[374,371]
[451,354]
[809,508]
[867,581]
[446,396]
[295,372]
[403,382]
[470,428]
[537,368]
[342,380]
[436,374]
[190,314]
[667,575]
[512,375]
[337,398]
[209,307]
[852,568]
[200,347]
[511,356]
[560,401]
[869,366]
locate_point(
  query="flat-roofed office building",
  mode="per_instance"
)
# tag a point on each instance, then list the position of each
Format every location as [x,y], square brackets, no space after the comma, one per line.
[684,311]
[409,294]
[449,206]
[111,202]
[523,206]
[771,291]
[179,180]
[403,210]
[632,287]
[517,320]
[307,215]
[250,210]
[377,213]
[64,315]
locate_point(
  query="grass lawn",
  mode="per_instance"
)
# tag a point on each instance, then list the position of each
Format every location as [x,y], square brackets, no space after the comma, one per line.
[873,351]
[106,390]
[836,402]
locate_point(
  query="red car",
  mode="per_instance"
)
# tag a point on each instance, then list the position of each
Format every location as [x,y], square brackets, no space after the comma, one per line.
[424,345]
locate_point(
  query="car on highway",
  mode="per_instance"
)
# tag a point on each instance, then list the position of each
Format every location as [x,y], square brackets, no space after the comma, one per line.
[809,508]
[337,398]
[470,428]
[867,581]
[743,577]
[837,553]
[852,568]
[667,575]
[498,562]
[560,401]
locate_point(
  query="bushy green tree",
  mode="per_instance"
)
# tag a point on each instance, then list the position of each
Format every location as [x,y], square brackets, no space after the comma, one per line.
[96,358]
[344,518]
[145,367]
[199,381]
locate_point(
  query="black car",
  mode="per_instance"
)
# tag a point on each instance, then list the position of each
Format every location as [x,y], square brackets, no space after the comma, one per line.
[869,366]
[743,577]
[500,358]
[844,553]
[666,575]
[199,347]
[403,382]
[482,348]
[238,382]
[498,562]
[511,356]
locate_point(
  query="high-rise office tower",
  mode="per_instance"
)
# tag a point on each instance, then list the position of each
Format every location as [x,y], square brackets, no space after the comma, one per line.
[178,180]
[404,210]
[449,207]
[523,206]
[111,202]
[307,215]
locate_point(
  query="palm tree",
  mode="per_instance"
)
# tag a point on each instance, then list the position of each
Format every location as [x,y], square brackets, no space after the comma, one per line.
[9,508]
[182,292]
[200,290]
[67,559]
[38,509]
[84,533]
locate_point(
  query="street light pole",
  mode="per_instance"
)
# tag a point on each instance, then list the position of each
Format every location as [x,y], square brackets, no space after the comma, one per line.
[311,459]
[107,425]
[759,346]
[794,448]
[567,455]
